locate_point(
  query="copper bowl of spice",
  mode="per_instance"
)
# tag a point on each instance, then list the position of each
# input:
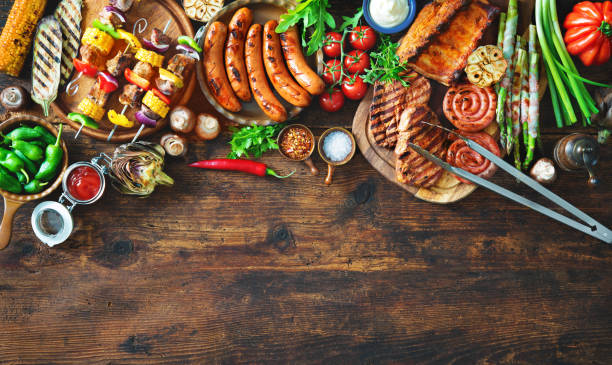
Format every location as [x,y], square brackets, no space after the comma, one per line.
[296,143]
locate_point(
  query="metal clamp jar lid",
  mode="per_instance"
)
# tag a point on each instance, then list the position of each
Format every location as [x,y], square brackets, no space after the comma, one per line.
[52,221]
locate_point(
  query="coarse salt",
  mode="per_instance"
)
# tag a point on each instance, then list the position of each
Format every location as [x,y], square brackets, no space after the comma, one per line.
[337,146]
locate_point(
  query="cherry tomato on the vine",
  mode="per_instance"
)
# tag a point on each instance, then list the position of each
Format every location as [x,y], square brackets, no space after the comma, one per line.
[356,61]
[332,71]
[331,100]
[331,46]
[353,87]
[362,37]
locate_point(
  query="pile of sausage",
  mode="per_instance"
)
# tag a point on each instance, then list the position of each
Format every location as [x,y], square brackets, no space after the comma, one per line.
[239,59]
[471,109]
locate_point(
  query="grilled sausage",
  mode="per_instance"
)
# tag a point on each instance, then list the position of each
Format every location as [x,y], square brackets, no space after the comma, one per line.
[216,77]
[234,53]
[257,76]
[297,64]
[277,71]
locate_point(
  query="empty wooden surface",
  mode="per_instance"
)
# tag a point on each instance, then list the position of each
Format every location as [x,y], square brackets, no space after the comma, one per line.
[231,268]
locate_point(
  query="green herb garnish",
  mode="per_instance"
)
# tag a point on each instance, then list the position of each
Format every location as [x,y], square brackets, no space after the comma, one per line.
[351,21]
[385,65]
[311,13]
[253,140]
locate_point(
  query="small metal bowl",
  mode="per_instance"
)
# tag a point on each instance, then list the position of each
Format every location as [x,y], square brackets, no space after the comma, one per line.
[331,165]
[306,159]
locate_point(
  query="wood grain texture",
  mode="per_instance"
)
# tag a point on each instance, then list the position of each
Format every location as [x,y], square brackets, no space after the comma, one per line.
[231,268]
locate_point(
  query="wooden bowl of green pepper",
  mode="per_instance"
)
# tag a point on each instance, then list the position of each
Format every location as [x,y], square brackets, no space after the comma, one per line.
[33,159]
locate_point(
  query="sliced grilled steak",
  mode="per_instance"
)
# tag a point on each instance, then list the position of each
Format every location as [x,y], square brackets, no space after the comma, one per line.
[410,167]
[389,100]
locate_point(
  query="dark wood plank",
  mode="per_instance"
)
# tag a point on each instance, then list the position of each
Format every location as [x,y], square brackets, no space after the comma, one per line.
[231,268]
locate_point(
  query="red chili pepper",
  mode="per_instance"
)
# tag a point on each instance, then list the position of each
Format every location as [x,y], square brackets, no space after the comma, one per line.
[248,166]
[85,67]
[163,97]
[133,78]
[107,82]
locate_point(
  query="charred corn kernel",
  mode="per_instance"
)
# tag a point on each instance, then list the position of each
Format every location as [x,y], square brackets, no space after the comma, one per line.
[155,104]
[91,109]
[99,39]
[17,33]
[150,57]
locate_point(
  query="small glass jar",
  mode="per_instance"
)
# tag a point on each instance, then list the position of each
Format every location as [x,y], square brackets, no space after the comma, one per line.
[52,221]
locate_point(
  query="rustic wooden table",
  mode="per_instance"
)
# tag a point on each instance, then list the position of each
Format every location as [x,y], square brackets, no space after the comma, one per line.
[230,268]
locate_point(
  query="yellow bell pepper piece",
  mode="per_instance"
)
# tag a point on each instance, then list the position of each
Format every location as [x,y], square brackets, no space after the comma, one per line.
[119,119]
[129,38]
[167,75]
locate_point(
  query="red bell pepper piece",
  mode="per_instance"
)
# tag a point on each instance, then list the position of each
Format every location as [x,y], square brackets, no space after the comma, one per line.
[161,96]
[85,68]
[107,82]
[133,78]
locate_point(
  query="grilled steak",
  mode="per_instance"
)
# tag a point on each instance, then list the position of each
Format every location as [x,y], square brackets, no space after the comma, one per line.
[410,167]
[446,56]
[388,102]
[427,25]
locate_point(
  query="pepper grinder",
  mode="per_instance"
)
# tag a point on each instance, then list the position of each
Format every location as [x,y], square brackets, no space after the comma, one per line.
[577,151]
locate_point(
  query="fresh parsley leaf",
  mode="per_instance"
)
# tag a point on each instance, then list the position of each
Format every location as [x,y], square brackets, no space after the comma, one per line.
[385,65]
[253,140]
[310,13]
[351,21]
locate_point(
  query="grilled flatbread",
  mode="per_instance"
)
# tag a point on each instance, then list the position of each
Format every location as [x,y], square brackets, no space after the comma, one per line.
[446,56]
[410,167]
[388,102]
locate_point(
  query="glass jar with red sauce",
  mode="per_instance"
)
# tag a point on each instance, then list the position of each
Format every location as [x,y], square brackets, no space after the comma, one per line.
[83,184]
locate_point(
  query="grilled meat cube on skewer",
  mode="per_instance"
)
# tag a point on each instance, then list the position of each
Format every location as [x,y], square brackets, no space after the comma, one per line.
[116,65]
[144,70]
[131,95]
[159,38]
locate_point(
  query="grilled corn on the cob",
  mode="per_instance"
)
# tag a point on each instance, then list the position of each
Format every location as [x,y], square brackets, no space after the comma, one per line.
[150,57]
[46,62]
[155,104]
[91,109]
[68,14]
[17,34]
[99,39]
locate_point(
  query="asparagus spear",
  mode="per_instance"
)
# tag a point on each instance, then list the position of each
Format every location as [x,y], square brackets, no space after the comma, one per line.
[508,51]
[500,41]
[512,109]
[534,106]
[525,99]
[516,103]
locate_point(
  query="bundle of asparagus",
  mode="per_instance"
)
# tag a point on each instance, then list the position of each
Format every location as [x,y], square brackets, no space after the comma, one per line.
[518,102]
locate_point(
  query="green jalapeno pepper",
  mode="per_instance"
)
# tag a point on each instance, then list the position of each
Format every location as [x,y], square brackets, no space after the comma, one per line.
[30,166]
[23,133]
[22,178]
[53,158]
[40,143]
[30,150]
[45,135]
[189,42]
[8,182]
[35,186]
[12,162]
[106,28]
[83,119]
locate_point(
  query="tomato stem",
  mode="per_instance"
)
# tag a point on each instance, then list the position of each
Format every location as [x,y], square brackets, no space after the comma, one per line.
[605,28]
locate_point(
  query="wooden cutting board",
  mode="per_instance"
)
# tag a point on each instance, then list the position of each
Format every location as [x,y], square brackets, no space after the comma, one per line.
[447,189]
[157,13]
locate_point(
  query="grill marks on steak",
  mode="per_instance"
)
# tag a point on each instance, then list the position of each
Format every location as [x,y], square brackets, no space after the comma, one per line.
[388,102]
[410,167]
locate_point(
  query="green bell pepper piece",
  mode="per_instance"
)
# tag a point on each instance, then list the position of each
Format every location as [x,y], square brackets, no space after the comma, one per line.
[189,42]
[83,119]
[106,28]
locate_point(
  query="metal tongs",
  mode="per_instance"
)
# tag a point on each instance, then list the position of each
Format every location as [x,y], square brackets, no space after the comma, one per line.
[592,227]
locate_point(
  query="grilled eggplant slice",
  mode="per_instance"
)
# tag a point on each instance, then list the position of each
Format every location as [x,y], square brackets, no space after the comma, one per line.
[68,14]
[46,63]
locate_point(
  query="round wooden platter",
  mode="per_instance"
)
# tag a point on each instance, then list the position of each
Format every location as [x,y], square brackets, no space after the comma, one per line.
[446,190]
[157,13]
[263,11]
